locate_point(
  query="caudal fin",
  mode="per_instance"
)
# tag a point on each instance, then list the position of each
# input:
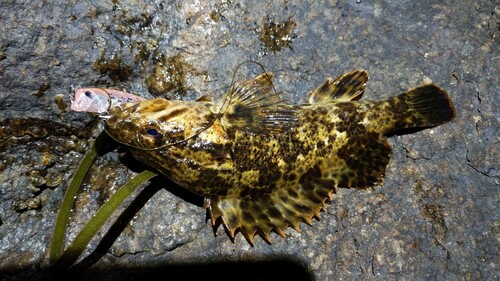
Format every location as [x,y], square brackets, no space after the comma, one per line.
[428,106]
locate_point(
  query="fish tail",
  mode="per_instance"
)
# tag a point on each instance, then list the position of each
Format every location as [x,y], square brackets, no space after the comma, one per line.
[429,106]
[421,107]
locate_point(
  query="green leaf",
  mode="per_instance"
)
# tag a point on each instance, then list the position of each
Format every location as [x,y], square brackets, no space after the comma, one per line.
[94,225]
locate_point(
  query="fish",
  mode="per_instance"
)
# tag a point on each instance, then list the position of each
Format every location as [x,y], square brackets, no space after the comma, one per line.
[263,164]
[100,100]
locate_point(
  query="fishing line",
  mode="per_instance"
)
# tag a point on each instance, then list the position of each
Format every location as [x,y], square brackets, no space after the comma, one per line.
[227,101]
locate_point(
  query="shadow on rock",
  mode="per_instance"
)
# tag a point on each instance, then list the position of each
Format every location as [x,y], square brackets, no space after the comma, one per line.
[272,270]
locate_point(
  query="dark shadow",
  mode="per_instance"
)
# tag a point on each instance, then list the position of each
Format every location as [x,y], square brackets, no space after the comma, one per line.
[117,228]
[162,181]
[128,214]
[275,269]
[105,144]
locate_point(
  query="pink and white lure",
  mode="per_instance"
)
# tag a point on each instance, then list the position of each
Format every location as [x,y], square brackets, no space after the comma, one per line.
[99,100]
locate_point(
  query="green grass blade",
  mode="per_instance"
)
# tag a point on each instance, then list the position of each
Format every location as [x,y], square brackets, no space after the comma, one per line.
[57,243]
[98,220]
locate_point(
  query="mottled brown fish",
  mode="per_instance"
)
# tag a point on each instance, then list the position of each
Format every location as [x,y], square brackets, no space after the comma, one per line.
[263,164]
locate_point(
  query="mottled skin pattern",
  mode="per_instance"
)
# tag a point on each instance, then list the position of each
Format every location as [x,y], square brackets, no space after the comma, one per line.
[264,165]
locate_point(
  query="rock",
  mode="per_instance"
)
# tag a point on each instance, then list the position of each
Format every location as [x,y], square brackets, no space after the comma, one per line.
[435,217]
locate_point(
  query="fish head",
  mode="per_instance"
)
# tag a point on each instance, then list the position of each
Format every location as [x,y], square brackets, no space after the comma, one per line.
[157,123]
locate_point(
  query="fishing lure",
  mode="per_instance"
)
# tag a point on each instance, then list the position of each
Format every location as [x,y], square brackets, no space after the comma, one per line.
[99,100]
[264,165]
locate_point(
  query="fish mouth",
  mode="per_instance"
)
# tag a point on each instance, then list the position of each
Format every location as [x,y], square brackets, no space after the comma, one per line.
[120,113]
[122,129]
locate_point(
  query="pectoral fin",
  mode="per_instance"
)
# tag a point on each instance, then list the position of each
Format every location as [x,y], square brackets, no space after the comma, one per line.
[273,211]
[253,106]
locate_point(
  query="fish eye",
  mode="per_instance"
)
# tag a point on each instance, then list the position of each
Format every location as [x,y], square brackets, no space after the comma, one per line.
[88,94]
[152,132]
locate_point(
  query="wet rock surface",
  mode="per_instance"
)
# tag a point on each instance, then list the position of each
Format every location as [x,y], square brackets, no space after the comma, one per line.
[435,217]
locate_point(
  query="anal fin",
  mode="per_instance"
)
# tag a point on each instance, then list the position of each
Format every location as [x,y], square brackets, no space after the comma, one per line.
[276,210]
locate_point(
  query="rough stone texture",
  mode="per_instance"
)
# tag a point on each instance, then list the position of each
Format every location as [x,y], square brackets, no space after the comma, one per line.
[436,217]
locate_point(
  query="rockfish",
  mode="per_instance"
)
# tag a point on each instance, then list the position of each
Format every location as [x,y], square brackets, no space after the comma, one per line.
[264,165]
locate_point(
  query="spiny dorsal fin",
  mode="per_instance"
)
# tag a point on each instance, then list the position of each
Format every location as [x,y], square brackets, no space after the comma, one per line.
[347,87]
[253,106]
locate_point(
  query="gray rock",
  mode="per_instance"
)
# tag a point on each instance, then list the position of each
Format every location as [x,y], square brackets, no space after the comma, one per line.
[435,217]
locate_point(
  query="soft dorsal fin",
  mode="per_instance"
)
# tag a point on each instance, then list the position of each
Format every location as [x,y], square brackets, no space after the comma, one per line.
[253,106]
[347,87]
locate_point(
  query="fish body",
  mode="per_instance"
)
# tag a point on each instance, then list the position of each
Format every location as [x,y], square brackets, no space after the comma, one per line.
[264,165]
[99,100]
